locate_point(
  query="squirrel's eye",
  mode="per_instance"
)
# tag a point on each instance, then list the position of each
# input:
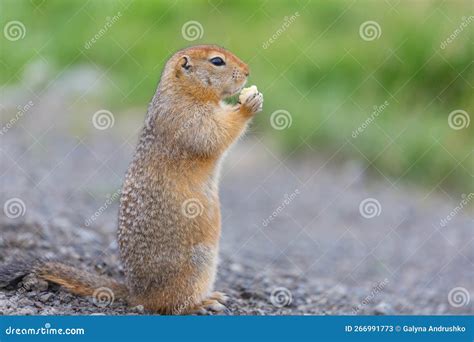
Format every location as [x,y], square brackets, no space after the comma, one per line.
[217,61]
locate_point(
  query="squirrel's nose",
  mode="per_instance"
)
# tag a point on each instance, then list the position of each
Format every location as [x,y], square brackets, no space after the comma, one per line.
[246,70]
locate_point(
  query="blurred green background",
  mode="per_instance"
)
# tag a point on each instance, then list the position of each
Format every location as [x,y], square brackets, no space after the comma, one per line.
[318,68]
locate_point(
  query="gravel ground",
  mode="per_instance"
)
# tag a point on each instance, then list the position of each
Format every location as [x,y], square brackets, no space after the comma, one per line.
[294,240]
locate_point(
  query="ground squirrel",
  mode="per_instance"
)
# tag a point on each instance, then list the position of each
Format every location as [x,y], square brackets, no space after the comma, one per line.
[169,218]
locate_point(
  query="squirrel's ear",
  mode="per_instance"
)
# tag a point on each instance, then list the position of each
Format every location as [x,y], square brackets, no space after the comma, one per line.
[185,62]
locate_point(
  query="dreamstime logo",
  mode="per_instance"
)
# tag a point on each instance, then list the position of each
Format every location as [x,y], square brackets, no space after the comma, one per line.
[370,30]
[22,110]
[287,21]
[14,30]
[103,119]
[287,200]
[375,113]
[192,30]
[458,119]
[14,208]
[109,22]
[45,330]
[370,297]
[458,296]
[103,296]
[464,23]
[108,202]
[370,207]
[281,119]
[192,208]
[281,297]
[185,305]
[457,209]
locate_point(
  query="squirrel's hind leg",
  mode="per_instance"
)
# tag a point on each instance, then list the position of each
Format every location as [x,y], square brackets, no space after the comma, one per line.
[208,305]
[215,303]
[220,297]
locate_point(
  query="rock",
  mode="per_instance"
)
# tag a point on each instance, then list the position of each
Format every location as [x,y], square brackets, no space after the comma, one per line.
[237,268]
[25,302]
[383,308]
[4,303]
[139,309]
[32,294]
[62,223]
[66,297]
[338,291]
[441,309]
[33,283]
[26,311]
[45,297]
[39,305]
[246,294]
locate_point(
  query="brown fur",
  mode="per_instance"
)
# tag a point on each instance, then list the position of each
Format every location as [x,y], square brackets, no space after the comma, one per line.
[79,282]
[169,257]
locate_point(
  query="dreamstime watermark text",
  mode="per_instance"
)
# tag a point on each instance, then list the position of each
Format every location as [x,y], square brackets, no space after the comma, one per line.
[287,200]
[287,21]
[370,297]
[457,209]
[21,110]
[108,202]
[109,22]
[464,24]
[375,113]
[46,330]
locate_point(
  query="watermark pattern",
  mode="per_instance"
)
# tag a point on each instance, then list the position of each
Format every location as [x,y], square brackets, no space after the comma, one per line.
[31,283]
[188,124]
[287,21]
[192,208]
[108,202]
[375,113]
[183,306]
[370,207]
[109,22]
[457,209]
[14,208]
[288,199]
[281,297]
[281,119]
[14,30]
[370,30]
[458,119]
[103,296]
[464,23]
[370,297]
[458,297]
[192,30]
[103,119]
[19,114]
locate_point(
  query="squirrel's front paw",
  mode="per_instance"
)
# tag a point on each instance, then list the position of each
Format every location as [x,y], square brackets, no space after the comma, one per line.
[251,100]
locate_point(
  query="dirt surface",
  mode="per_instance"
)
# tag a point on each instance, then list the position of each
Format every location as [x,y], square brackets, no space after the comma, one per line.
[294,238]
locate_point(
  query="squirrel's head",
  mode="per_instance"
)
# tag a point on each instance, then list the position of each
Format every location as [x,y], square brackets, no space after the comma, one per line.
[207,72]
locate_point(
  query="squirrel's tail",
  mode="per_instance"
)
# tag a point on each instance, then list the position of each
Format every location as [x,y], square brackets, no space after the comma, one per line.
[75,280]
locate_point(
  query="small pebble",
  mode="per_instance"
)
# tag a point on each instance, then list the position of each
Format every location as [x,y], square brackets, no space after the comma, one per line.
[383,308]
[46,297]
